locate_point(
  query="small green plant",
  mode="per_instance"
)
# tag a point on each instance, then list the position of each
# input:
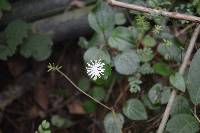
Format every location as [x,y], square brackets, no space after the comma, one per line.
[44,127]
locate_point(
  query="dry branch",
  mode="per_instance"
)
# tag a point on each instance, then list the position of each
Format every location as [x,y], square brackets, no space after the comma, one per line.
[34,9]
[67,26]
[154,11]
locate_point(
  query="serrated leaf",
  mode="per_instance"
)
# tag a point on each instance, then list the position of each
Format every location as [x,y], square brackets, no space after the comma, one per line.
[101,18]
[121,39]
[5,5]
[15,32]
[145,54]
[37,46]
[193,80]
[149,104]
[94,53]
[134,110]
[113,123]
[182,123]
[178,81]
[162,69]
[149,41]
[98,93]
[180,106]
[127,62]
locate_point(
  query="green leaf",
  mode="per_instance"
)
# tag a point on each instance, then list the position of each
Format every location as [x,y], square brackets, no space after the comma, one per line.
[134,83]
[162,69]
[121,39]
[165,95]
[89,106]
[178,81]
[94,53]
[127,62]
[113,123]
[145,69]
[171,52]
[15,32]
[154,93]
[134,110]
[37,46]
[159,94]
[44,127]
[59,121]
[98,93]
[5,5]
[5,52]
[182,123]
[101,19]
[145,54]
[148,103]
[120,18]
[180,106]
[149,41]
[84,84]
[193,80]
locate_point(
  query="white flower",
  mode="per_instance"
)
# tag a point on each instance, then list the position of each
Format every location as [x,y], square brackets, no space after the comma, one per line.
[95,69]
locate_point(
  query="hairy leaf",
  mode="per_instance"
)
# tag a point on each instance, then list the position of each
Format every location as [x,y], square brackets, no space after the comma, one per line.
[127,62]
[113,123]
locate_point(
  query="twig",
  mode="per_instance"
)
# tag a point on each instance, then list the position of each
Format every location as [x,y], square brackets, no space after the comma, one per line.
[181,71]
[66,77]
[154,11]
[184,29]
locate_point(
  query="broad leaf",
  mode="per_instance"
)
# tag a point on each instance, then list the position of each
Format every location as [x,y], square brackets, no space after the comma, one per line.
[101,19]
[121,39]
[178,81]
[15,32]
[162,69]
[94,53]
[180,106]
[113,123]
[134,110]
[193,80]
[127,62]
[98,93]
[89,106]
[37,46]
[182,123]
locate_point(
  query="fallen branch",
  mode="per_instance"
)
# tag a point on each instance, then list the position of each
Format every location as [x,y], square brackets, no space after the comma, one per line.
[154,11]
[69,25]
[181,71]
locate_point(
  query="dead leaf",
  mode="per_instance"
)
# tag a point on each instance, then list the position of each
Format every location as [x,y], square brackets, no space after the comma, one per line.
[41,95]
[75,107]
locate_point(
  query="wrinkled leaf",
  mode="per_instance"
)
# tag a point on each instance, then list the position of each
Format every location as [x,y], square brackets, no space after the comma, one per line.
[94,53]
[121,39]
[127,62]
[113,123]
[37,46]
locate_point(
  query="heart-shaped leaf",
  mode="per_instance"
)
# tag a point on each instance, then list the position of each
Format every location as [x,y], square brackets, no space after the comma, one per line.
[178,81]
